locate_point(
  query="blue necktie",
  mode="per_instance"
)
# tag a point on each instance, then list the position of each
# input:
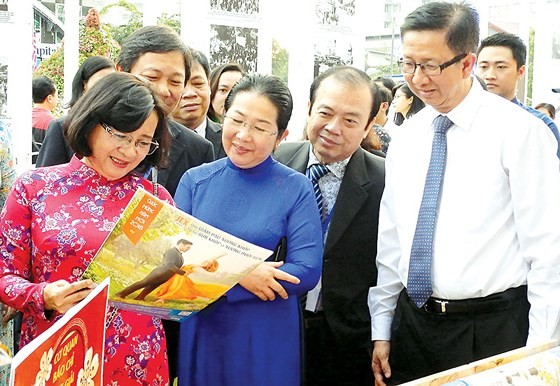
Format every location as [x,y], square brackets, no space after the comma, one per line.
[419,286]
[315,172]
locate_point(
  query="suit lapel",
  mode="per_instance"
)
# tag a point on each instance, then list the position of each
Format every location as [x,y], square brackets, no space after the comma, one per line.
[300,158]
[214,135]
[350,198]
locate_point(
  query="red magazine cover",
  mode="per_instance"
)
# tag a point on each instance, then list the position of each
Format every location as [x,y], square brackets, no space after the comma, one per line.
[70,352]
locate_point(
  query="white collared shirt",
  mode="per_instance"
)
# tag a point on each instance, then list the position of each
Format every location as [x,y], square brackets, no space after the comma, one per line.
[498,224]
[201,129]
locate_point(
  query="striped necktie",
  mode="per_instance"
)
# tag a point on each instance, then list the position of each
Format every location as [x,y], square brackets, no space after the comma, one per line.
[419,286]
[315,172]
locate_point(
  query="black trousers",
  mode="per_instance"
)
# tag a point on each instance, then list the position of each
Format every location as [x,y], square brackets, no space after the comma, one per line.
[328,362]
[424,343]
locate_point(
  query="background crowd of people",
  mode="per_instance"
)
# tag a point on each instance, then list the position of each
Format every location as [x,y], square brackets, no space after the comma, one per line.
[379,246]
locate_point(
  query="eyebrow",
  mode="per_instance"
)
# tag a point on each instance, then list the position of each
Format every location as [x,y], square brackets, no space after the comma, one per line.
[158,70]
[494,61]
[257,119]
[351,113]
[424,60]
[198,77]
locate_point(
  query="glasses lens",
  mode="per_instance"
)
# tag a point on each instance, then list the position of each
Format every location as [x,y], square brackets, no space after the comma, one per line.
[431,69]
[407,67]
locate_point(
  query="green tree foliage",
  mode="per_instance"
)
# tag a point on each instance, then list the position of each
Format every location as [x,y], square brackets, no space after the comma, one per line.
[280,59]
[120,32]
[384,70]
[530,67]
[173,21]
[91,42]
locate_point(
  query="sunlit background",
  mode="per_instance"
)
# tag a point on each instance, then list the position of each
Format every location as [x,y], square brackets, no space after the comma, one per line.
[294,39]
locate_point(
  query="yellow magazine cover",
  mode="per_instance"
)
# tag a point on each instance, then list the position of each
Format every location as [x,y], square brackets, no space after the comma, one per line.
[166,263]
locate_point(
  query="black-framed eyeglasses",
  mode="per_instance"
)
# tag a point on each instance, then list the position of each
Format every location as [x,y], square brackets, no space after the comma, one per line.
[409,67]
[125,140]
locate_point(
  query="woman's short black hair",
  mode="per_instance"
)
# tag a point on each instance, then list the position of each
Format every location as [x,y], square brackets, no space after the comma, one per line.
[87,69]
[270,87]
[122,101]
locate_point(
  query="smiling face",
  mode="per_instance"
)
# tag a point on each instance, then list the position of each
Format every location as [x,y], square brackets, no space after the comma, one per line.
[109,158]
[445,91]
[192,108]
[247,148]
[498,68]
[337,121]
[227,80]
[166,71]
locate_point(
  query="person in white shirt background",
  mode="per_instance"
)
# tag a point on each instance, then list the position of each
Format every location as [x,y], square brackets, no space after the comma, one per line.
[494,272]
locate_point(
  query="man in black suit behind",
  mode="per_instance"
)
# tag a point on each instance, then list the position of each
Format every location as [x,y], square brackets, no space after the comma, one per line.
[157,54]
[195,102]
[337,335]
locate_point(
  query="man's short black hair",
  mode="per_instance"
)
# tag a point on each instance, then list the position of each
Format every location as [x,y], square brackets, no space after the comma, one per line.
[511,41]
[42,88]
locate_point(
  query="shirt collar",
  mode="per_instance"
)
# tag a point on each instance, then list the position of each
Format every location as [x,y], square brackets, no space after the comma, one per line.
[464,113]
[201,129]
[337,168]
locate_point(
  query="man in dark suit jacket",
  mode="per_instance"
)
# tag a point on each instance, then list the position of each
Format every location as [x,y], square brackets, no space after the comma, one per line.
[158,55]
[195,101]
[337,329]
[188,150]
[214,135]
[55,149]
[170,265]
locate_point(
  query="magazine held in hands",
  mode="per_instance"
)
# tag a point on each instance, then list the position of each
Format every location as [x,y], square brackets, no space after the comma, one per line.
[166,263]
[70,352]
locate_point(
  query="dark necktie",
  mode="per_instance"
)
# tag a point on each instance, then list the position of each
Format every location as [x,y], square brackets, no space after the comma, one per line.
[315,172]
[419,286]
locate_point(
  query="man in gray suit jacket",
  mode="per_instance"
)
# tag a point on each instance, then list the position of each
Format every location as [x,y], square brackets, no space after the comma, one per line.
[337,337]
[195,101]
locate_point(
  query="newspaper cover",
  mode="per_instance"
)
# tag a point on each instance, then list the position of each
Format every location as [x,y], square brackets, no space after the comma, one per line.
[166,263]
[70,352]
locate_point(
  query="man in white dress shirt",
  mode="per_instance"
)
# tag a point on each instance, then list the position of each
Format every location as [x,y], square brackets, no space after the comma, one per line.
[495,266]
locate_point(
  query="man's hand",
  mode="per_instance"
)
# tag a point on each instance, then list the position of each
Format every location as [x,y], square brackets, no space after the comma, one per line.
[262,281]
[61,295]
[380,361]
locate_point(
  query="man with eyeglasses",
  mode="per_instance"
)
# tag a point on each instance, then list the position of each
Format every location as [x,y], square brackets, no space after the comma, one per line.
[348,184]
[469,244]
